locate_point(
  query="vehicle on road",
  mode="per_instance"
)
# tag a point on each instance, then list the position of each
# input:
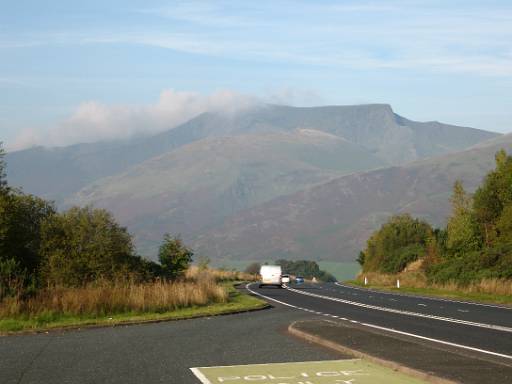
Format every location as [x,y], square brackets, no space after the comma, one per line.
[271,275]
[285,279]
[299,280]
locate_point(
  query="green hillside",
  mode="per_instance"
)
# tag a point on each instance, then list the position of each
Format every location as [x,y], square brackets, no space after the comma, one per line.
[333,221]
[195,187]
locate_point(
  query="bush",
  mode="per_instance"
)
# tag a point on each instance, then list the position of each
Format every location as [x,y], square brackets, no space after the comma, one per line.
[174,257]
[401,257]
[83,245]
[253,268]
[399,241]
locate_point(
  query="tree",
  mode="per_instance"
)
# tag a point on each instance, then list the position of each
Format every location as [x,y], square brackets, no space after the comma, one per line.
[3,179]
[360,258]
[305,268]
[20,222]
[462,228]
[174,256]
[253,268]
[203,262]
[504,226]
[493,195]
[83,245]
[398,242]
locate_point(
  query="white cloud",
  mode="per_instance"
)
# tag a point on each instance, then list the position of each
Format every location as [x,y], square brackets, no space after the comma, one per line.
[93,121]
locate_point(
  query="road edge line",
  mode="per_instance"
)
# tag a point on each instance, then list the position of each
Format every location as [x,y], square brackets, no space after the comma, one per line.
[361,355]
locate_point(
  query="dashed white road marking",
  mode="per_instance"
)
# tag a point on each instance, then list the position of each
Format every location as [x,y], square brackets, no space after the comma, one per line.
[401,312]
[388,329]
[422,305]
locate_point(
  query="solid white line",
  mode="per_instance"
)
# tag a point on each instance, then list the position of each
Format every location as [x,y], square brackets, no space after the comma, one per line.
[438,341]
[423,297]
[273,364]
[407,313]
[393,330]
[202,378]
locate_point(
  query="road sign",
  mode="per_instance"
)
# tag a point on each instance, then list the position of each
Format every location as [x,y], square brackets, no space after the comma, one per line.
[352,371]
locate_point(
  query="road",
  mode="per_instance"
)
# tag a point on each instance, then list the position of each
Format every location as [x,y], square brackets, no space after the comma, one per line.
[155,353]
[481,328]
[165,352]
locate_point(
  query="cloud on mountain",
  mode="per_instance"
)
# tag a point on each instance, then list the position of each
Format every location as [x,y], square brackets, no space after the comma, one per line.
[93,121]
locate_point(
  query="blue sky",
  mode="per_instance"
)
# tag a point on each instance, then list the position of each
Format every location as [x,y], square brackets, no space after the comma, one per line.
[83,71]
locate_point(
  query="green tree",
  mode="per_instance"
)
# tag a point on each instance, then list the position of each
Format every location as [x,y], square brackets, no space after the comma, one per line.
[493,195]
[398,242]
[3,179]
[20,222]
[83,245]
[253,268]
[360,258]
[305,268]
[504,226]
[462,228]
[174,256]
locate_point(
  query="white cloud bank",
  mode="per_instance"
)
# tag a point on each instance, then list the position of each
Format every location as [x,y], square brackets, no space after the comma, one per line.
[93,121]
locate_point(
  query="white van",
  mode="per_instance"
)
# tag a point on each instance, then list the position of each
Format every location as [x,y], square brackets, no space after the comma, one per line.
[271,275]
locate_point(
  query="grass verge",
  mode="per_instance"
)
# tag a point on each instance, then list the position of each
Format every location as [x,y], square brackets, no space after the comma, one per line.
[477,297]
[237,302]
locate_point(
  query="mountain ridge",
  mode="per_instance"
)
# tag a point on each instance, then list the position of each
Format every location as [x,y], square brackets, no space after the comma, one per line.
[193,177]
[333,220]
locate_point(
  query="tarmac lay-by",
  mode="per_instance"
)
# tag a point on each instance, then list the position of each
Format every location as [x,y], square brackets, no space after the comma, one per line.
[350,371]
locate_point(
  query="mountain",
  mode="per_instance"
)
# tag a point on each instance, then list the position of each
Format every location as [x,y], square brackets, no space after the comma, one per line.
[57,173]
[192,178]
[332,221]
[196,186]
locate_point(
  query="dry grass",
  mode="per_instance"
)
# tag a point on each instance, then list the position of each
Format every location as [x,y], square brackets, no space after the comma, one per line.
[195,273]
[417,279]
[106,298]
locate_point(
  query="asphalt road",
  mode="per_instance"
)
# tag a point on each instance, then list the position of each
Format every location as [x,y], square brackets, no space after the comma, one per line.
[472,326]
[165,352]
[155,353]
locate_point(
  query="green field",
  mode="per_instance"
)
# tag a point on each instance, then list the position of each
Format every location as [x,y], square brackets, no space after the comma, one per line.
[342,270]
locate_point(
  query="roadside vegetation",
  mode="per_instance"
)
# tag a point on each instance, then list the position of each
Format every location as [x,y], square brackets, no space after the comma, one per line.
[80,267]
[305,268]
[471,256]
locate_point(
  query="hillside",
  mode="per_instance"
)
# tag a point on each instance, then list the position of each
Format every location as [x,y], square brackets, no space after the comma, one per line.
[57,173]
[191,178]
[196,186]
[332,221]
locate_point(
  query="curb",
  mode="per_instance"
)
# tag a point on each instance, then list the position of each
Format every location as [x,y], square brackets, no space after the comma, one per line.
[360,355]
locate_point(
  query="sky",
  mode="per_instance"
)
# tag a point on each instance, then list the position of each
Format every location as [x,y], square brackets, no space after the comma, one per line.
[81,71]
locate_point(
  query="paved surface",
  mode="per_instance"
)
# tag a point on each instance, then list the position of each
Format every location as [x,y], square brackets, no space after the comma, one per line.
[164,352]
[354,304]
[155,353]
[348,371]
[482,313]
[429,358]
